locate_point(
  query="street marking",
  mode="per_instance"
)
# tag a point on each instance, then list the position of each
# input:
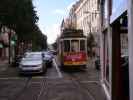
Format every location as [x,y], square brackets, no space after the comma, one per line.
[16,78]
[52,77]
[90,82]
[40,77]
[12,78]
[3,69]
[58,71]
[106,91]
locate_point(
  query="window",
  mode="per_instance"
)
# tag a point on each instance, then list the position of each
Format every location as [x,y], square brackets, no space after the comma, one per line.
[82,45]
[75,46]
[66,45]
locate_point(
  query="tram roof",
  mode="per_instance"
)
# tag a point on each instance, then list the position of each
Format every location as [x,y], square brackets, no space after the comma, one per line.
[74,33]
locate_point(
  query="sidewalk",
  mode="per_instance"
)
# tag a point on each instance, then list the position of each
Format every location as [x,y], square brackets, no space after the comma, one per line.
[85,86]
[95,88]
[3,65]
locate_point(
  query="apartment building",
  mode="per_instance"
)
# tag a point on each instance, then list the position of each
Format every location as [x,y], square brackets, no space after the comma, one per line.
[87,14]
[88,18]
[72,16]
[71,20]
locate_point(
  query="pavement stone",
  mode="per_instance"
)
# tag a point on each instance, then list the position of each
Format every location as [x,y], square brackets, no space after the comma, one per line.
[3,65]
[95,90]
[82,85]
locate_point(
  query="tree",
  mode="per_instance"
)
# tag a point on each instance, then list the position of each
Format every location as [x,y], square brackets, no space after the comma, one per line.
[21,16]
[18,15]
[39,39]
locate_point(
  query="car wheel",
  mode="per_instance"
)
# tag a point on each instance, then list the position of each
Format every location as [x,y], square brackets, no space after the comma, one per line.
[49,64]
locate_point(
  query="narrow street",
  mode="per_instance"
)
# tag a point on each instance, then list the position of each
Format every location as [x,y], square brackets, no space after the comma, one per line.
[55,84]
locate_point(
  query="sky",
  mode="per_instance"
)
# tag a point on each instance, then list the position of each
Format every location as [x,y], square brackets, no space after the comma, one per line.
[51,14]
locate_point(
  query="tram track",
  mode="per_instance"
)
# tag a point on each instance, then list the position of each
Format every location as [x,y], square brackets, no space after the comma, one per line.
[25,87]
[43,87]
[27,83]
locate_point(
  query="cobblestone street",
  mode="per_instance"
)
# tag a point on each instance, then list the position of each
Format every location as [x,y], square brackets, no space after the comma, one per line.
[76,85]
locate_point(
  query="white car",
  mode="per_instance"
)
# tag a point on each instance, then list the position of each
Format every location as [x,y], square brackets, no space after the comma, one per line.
[32,63]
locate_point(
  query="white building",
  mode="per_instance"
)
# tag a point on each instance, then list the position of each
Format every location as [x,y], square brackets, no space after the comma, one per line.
[87,14]
[88,18]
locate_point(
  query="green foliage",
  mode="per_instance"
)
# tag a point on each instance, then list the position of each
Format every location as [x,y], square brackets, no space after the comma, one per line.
[39,40]
[21,16]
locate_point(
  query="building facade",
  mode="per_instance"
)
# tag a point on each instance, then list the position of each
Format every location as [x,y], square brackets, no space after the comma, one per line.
[7,44]
[87,13]
[88,18]
[116,43]
[73,17]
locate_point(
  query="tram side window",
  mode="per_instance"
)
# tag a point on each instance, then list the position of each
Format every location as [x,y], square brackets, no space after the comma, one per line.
[66,45]
[82,45]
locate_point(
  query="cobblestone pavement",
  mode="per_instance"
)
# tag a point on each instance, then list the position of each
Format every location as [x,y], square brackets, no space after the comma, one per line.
[53,85]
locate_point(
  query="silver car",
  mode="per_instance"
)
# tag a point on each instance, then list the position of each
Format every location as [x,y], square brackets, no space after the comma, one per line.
[32,63]
[48,58]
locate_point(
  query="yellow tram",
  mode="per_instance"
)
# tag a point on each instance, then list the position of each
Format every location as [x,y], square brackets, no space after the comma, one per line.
[73,48]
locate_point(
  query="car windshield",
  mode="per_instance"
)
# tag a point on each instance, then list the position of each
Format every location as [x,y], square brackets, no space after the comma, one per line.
[32,57]
[47,53]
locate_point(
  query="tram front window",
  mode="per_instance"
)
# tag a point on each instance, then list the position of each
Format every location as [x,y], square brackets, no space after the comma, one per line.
[66,45]
[75,46]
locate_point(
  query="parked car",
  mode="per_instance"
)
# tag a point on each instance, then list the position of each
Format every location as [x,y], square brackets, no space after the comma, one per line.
[97,63]
[48,58]
[32,63]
